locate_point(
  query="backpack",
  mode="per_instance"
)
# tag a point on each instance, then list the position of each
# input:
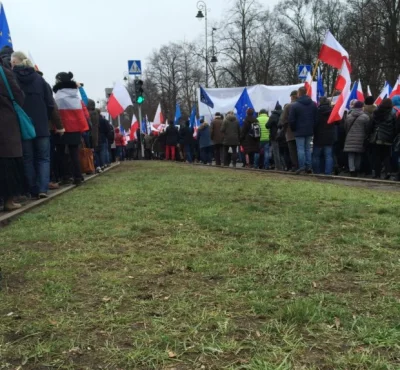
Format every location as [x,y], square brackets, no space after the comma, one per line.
[255,130]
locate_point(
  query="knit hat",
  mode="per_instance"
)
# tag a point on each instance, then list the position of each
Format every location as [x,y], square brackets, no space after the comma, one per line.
[369,100]
[387,103]
[64,77]
[358,104]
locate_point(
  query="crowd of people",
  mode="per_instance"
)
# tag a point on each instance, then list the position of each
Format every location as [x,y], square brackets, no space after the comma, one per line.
[64,121]
[297,138]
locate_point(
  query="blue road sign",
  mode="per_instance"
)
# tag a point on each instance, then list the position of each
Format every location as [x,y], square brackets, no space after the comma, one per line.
[303,70]
[135,67]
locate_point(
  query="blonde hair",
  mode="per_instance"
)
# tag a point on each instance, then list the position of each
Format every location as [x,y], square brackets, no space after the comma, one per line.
[22,59]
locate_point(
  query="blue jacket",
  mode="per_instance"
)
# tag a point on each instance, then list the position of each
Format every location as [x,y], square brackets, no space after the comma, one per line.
[39,102]
[204,136]
[303,117]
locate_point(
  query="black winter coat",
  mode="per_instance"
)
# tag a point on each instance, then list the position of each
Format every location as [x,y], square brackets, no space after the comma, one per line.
[172,136]
[273,123]
[186,135]
[383,126]
[324,133]
[39,103]
[249,143]
[303,116]
[104,130]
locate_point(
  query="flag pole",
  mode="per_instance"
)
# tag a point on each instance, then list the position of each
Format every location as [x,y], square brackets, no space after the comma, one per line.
[313,75]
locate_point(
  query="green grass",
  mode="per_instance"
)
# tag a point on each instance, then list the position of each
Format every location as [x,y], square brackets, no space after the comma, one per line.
[159,266]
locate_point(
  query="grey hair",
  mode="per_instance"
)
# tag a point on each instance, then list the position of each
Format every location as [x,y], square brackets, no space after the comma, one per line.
[24,60]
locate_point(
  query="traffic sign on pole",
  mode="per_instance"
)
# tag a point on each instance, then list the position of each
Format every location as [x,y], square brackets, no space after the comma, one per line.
[135,67]
[303,70]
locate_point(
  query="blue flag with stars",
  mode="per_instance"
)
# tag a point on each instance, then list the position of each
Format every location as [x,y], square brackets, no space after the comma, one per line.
[204,98]
[193,117]
[5,36]
[242,105]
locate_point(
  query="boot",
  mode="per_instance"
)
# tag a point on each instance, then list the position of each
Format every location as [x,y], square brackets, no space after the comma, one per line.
[10,206]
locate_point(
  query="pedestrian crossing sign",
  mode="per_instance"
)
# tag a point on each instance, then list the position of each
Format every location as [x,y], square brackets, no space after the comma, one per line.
[135,67]
[303,70]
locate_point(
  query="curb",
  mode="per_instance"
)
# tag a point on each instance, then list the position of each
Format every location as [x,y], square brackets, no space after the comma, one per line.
[7,217]
[292,174]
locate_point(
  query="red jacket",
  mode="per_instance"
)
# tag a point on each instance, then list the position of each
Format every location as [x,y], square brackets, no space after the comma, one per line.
[119,139]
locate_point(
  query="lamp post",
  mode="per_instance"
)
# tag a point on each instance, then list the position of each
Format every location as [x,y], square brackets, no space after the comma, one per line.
[214,57]
[202,6]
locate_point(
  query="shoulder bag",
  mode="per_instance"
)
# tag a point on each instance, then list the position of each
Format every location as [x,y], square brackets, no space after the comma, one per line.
[27,129]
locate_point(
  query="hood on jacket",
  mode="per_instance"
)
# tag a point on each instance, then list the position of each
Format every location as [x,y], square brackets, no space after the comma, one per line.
[203,126]
[384,110]
[396,101]
[305,100]
[231,118]
[65,85]
[325,109]
[25,75]
[356,112]
[91,105]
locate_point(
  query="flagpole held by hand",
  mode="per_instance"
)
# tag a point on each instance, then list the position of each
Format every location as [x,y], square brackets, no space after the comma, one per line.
[313,75]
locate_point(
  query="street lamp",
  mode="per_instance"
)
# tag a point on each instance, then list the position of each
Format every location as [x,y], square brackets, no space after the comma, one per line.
[201,5]
[214,58]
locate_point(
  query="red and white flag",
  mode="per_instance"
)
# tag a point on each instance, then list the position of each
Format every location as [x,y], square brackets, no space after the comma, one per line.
[369,93]
[332,52]
[308,84]
[384,94]
[396,89]
[159,117]
[134,127]
[340,106]
[360,93]
[71,110]
[119,100]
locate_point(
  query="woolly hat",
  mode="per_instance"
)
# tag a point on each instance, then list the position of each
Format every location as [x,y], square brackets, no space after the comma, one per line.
[64,77]
[250,112]
[358,104]
[369,100]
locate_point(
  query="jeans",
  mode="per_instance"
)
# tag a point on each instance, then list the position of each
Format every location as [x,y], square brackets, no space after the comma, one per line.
[327,152]
[355,161]
[37,164]
[304,151]
[188,153]
[277,155]
[263,145]
[103,154]
[206,155]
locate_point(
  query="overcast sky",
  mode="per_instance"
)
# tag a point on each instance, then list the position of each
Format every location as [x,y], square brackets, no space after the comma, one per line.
[95,38]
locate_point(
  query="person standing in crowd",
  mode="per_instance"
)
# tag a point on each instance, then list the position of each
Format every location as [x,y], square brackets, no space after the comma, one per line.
[38,105]
[95,120]
[289,135]
[250,137]
[231,130]
[172,137]
[302,118]
[74,121]
[264,139]
[273,125]
[383,132]
[324,137]
[217,138]
[11,160]
[396,144]
[205,143]
[366,162]
[187,140]
[148,145]
[357,127]
[119,144]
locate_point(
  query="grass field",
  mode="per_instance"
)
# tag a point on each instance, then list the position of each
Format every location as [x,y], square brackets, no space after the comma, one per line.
[161,266]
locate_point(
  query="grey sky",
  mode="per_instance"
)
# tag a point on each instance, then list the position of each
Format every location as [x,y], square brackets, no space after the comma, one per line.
[95,38]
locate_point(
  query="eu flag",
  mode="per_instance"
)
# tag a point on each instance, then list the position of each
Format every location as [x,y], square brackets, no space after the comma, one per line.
[242,105]
[320,85]
[5,37]
[178,114]
[204,98]
[193,117]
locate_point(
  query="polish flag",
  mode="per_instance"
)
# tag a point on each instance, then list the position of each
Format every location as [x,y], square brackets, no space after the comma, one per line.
[396,89]
[384,93]
[332,52]
[341,80]
[369,93]
[134,127]
[119,100]
[340,106]
[308,84]
[159,117]
[360,94]
[71,110]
